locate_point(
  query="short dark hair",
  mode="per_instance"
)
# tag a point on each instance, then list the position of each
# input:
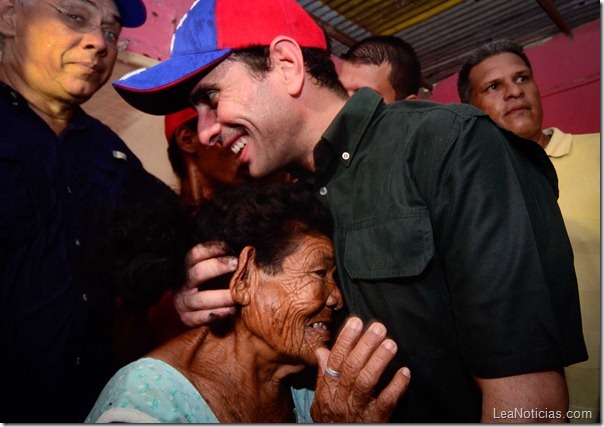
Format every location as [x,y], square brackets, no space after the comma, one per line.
[175,154]
[464,85]
[269,217]
[144,248]
[406,73]
[317,63]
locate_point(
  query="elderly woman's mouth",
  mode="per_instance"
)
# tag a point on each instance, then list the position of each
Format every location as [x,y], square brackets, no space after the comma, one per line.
[319,325]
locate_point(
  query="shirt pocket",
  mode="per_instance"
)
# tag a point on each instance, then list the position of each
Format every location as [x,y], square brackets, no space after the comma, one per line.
[395,244]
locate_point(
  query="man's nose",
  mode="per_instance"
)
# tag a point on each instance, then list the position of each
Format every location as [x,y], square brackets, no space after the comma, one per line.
[208,128]
[513,90]
[96,39]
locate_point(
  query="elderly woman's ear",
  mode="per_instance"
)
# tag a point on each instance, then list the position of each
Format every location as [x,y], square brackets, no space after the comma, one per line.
[240,282]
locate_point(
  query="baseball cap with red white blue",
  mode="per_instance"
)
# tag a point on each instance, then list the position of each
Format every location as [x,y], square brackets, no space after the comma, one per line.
[206,35]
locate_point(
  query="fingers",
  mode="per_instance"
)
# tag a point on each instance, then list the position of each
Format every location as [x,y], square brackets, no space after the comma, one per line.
[373,362]
[205,317]
[197,308]
[359,360]
[204,300]
[203,251]
[322,355]
[389,397]
[347,339]
[205,261]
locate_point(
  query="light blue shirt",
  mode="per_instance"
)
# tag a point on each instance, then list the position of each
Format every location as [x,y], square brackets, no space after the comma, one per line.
[151,391]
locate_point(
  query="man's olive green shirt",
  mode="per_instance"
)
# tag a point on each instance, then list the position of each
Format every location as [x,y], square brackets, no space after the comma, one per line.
[449,232]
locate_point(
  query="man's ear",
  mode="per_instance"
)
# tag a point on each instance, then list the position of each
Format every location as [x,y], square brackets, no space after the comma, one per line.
[242,281]
[287,59]
[7,18]
[186,139]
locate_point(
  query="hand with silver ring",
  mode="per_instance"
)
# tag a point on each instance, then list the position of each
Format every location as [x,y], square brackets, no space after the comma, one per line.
[357,359]
[332,373]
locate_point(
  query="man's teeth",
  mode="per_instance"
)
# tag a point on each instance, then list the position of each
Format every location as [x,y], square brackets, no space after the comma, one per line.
[319,325]
[238,146]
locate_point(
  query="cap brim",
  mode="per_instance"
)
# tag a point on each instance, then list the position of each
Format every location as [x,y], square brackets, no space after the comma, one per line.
[165,87]
[132,12]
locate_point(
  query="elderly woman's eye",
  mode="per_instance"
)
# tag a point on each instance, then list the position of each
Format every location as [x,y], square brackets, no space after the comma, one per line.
[321,273]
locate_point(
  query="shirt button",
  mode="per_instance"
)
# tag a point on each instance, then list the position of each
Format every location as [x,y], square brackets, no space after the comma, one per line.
[323,191]
[69,189]
[77,242]
[345,155]
[85,297]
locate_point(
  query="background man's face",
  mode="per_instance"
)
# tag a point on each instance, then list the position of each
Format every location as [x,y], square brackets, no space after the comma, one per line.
[58,61]
[356,76]
[504,88]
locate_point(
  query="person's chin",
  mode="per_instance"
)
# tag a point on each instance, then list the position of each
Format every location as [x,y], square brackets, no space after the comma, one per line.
[80,98]
[82,92]
[521,125]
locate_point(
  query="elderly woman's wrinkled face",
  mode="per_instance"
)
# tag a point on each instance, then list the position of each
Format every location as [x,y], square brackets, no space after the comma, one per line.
[291,310]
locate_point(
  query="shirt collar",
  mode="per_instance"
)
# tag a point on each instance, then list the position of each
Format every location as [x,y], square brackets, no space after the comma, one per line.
[344,134]
[559,144]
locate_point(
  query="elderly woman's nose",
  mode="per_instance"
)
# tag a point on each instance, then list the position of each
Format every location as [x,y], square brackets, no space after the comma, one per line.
[335,299]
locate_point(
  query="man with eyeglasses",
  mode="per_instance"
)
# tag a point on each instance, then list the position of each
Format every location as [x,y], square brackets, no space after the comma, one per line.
[58,166]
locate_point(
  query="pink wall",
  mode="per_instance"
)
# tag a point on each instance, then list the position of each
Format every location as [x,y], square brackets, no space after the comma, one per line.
[568,74]
[153,38]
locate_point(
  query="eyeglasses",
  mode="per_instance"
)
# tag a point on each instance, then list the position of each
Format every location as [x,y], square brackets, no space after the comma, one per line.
[76,15]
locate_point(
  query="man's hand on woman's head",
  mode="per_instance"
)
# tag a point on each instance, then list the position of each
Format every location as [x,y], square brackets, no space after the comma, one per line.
[204,262]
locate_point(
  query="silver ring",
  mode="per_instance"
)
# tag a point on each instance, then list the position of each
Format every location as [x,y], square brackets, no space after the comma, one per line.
[332,373]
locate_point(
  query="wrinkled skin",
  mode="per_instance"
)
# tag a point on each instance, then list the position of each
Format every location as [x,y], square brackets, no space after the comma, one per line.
[49,62]
[361,358]
[288,309]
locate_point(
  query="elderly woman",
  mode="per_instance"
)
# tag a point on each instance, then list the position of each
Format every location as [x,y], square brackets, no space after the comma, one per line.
[237,370]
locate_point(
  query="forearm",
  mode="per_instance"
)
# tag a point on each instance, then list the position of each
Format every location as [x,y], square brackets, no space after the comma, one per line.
[534,397]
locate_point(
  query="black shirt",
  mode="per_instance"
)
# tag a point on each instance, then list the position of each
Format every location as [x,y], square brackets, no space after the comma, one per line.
[449,232]
[55,331]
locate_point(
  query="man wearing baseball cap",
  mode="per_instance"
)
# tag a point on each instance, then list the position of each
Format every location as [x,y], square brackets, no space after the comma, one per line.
[447,227]
[58,166]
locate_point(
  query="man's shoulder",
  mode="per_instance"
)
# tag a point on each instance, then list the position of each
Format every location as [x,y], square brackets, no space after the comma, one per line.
[425,107]
[587,138]
[561,143]
[431,123]
[431,120]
